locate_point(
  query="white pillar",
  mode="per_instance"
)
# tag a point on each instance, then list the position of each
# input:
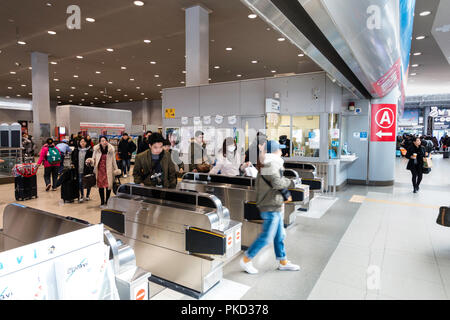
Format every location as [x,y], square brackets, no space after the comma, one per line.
[197,46]
[41,97]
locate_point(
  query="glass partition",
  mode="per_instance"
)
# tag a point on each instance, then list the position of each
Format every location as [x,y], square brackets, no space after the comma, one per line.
[306,136]
[333,135]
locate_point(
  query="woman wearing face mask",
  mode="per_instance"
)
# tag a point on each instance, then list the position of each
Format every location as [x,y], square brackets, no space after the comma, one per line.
[105,168]
[228,159]
[79,156]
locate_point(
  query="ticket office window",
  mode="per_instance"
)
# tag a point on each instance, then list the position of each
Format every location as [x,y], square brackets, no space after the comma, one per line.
[306,136]
[334,135]
[278,128]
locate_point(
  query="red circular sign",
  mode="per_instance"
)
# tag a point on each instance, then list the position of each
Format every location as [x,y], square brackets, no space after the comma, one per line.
[385,118]
[140,295]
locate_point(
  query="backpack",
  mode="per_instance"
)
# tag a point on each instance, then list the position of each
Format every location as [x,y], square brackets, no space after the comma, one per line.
[53,155]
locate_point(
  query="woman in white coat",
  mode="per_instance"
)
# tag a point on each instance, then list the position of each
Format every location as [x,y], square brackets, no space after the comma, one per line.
[105,168]
[228,160]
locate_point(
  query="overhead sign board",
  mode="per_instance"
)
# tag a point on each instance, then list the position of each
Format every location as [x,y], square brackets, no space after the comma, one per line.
[383,122]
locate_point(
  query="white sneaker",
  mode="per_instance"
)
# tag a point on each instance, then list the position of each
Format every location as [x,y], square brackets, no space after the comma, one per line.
[103,206]
[80,200]
[124,175]
[87,199]
[289,266]
[248,267]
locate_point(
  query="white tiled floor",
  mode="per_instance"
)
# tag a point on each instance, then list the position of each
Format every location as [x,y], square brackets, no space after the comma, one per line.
[395,233]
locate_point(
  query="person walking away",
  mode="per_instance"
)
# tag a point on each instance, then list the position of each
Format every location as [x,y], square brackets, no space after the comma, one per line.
[79,157]
[105,168]
[415,153]
[65,150]
[27,145]
[199,161]
[228,159]
[126,148]
[270,184]
[154,167]
[51,157]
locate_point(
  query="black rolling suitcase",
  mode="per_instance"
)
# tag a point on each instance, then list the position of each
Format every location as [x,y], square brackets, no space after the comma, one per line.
[446,154]
[25,187]
[69,185]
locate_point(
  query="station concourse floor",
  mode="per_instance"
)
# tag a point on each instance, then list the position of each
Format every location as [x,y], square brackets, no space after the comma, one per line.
[372,243]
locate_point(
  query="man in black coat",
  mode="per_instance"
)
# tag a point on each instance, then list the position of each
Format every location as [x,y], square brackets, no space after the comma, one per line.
[126,149]
[415,153]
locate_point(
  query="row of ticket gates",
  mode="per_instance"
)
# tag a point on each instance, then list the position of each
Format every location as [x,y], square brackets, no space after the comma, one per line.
[184,237]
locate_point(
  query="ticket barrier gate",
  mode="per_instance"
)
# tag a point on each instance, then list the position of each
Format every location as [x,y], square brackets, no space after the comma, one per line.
[307,172]
[24,226]
[238,194]
[183,238]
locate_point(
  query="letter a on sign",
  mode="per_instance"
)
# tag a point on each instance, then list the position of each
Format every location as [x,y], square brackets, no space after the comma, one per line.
[383,122]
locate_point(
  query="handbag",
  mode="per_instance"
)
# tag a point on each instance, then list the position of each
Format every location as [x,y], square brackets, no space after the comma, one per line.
[89,180]
[427,163]
[116,184]
[444,217]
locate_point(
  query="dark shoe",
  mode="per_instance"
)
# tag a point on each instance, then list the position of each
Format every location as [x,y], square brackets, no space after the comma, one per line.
[417,188]
[48,187]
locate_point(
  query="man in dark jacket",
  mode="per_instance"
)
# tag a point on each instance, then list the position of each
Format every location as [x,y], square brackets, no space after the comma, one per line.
[126,149]
[143,144]
[199,160]
[154,166]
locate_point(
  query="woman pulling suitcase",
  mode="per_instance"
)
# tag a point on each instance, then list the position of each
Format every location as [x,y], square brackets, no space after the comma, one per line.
[105,168]
[79,156]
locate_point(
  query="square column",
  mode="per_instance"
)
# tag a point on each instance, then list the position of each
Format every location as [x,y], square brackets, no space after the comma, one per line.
[41,97]
[197,46]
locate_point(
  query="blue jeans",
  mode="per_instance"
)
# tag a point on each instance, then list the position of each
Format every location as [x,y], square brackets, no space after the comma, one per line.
[126,163]
[273,230]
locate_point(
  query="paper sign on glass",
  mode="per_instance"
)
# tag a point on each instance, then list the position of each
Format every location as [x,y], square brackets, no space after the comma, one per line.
[219,119]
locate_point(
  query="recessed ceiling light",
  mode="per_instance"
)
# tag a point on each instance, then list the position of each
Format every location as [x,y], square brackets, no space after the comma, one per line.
[73,88]
[119,89]
[18,95]
[102,92]
[75,76]
[110,82]
[10,88]
[182,82]
[147,41]
[90,85]
[30,68]
[239,75]
[23,85]
[125,95]
[415,65]
[79,57]
[51,32]
[229,49]
[413,74]
[254,61]
[97,72]
[216,67]
[273,71]
[131,99]
[424,13]
[417,53]
[156,75]
[12,72]
[71,95]
[58,97]
[48,4]
[138,3]
[110,49]
[158,85]
[95,98]
[90,19]
[82,100]
[55,79]
[117,100]
[54,62]
[184,71]
[420,37]
[153,62]
[138,88]
[70,100]
[142,94]
[123,68]
[21,42]
[131,79]
[281,39]
[209,79]
[57,90]
[86,93]
[30,94]
[301,54]
[252,16]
